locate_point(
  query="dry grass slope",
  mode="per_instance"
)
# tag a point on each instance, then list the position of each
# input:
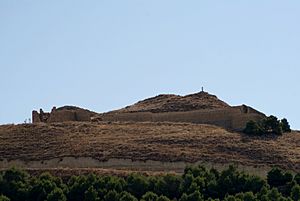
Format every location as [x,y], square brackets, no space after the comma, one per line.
[147,141]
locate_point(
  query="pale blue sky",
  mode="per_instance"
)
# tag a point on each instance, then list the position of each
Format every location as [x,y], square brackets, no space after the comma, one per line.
[103,55]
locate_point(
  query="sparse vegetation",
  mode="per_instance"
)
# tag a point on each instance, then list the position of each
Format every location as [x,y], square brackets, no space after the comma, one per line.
[158,141]
[196,184]
[268,125]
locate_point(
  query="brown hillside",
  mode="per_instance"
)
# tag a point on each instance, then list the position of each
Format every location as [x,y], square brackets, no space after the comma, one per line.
[176,103]
[164,142]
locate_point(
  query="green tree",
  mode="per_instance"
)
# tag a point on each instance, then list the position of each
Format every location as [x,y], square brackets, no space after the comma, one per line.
[163,198]
[184,197]
[254,184]
[195,196]
[15,184]
[4,198]
[295,194]
[253,128]
[285,125]
[125,196]
[137,185]
[91,194]
[149,196]
[56,195]
[169,185]
[231,198]
[272,125]
[276,177]
[111,196]
[249,196]
[297,178]
[274,195]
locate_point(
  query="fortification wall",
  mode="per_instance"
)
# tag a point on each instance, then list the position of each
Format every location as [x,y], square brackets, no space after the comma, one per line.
[232,118]
[60,116]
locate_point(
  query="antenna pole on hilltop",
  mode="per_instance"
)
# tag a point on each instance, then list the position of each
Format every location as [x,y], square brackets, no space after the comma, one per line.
[202,89]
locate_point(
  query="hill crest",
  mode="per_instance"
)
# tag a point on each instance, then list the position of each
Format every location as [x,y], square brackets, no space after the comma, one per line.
[176,103]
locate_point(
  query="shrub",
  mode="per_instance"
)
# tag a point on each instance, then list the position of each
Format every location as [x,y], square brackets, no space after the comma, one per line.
[4,198]
[125,196]
[276,177]
[15,184]
[253,128]
[91,194]
[56,195]
[285,125]
[295,194]
[266,126]
[149,196]
[137,185]
[163,198]
[297,178]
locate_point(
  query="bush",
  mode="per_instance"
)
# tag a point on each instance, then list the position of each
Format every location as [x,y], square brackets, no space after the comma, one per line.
[15,184]
[56,195]
[285,125]
[137,185]
[297,178]
[267,125]
[4,198]
[125,196]
[149,196]
[295,194]
[253,128]
[276,177]
[163,198]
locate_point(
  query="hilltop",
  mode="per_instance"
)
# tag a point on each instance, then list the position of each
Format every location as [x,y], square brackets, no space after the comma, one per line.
[176,103]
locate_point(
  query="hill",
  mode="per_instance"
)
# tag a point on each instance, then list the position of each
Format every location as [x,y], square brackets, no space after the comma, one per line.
[176,103]
[142,146]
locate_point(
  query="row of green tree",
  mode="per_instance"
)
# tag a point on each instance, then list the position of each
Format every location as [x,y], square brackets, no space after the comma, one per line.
[268,125]
[196,184]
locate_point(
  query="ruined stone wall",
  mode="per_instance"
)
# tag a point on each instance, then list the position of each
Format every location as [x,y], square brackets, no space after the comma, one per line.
[61,116]
[232,118]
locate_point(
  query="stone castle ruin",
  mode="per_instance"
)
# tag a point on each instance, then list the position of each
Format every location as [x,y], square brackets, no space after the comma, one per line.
[66,113]
[200,108]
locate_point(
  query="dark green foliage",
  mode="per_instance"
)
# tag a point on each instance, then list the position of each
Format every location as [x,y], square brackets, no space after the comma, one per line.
[295,193]
[196,184]
[271,125]
[195,196]
[56,195]
[137,185]
[276,177]
[111,196]
[253,128]
[15,184]
[297,178]
[125,196]
[285,125]
[91,194]
[43,185]
[4,198]
[169,185]
[163,198]
[149,196]
[268,125]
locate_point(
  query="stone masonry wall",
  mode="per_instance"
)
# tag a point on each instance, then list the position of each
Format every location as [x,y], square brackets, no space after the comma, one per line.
[232,118]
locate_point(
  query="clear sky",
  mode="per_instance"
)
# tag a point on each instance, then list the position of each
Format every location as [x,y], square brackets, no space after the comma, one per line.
[104,55]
